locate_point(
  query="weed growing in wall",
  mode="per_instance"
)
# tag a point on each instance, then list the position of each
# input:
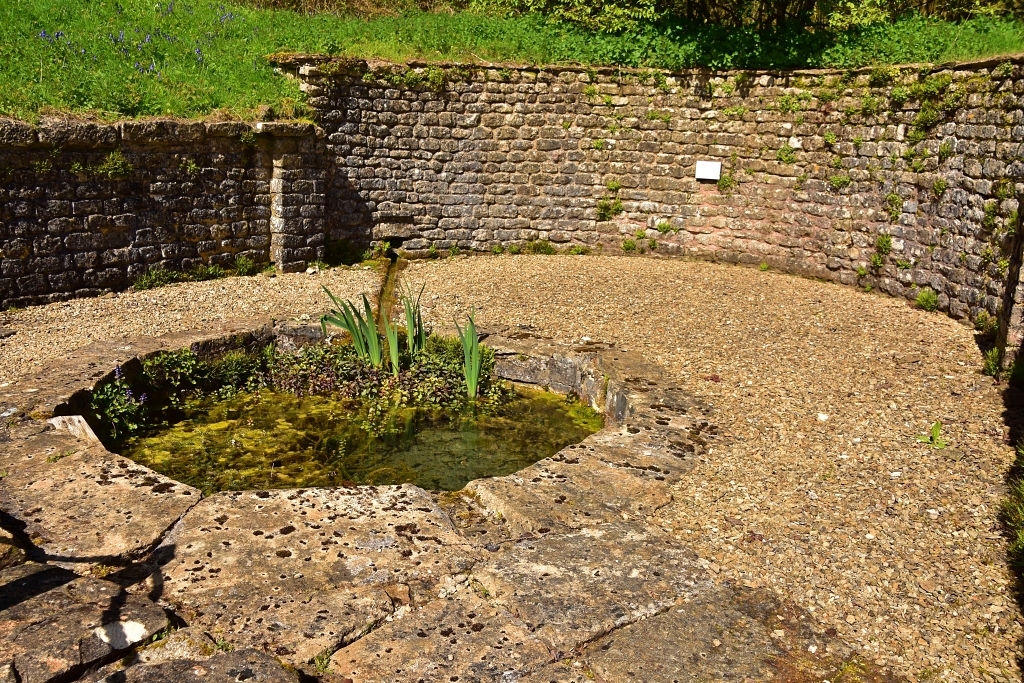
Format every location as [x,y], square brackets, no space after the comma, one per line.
[927,299]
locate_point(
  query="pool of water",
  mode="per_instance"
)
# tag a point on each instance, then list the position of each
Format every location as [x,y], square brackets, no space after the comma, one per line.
[269,439]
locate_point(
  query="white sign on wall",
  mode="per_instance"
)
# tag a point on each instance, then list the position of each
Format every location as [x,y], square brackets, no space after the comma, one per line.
[709,170]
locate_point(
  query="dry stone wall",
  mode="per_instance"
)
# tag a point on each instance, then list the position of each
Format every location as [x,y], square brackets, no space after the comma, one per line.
[900,178]
[894,178]
[87,207]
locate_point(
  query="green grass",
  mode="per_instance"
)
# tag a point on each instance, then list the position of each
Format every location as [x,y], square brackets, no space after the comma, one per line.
[134,58]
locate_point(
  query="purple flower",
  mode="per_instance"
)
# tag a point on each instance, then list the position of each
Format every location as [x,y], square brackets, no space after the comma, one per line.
[117,372]
[142,399]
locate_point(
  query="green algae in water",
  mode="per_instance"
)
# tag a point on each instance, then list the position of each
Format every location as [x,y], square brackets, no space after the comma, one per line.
[271,439]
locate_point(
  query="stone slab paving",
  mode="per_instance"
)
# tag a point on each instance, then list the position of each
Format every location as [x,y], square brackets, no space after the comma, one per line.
[302,572]
[91,507]
[247,665]
[54,623]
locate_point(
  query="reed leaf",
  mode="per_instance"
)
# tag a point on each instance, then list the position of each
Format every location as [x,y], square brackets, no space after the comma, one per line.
[391,332]
[473,357]
[416,334]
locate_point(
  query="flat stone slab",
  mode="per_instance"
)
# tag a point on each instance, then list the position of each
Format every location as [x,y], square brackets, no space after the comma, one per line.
[574,587]
[88,507]
[247,665]
[301,572]
[462,638]
[54,623]
[583,485]
[721,634]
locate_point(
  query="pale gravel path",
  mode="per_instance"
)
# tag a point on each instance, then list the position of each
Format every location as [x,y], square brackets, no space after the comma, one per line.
[894,545]
[48,333]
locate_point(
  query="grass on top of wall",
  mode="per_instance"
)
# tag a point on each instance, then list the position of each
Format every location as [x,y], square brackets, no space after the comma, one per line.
[133,58]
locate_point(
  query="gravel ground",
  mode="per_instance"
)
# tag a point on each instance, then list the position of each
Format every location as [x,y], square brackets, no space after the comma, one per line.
[47,333]
[821,490]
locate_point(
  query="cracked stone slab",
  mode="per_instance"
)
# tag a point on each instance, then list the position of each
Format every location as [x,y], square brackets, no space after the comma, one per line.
[574,587]
[721,634]
[301,572]
[580,486]
[250,666]
[54,623]
[463,638]
[92,507]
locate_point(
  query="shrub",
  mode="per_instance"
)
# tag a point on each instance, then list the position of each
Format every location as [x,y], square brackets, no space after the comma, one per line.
[614,186]
[245,266]
[786,154]
[883,244]
[206,272]
[157,277]
[939,187]
[830,138]
[927,299]
[608,208]
[877,261]
[894,205]
[628,245]
[540,247]
[840,182]
[578,250]
[497,249]
[115,165]
[990,363]
[727,183]
[514,249]
[945,151]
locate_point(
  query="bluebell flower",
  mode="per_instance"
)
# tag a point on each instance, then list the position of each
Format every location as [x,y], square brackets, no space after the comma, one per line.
[142,399]
[117,372]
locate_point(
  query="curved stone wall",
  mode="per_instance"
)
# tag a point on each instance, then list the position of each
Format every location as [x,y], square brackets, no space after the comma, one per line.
[896,178]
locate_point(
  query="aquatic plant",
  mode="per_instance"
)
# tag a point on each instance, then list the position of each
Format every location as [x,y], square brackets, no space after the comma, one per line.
[415,332]
[362,328]
[391,333]
[471,351]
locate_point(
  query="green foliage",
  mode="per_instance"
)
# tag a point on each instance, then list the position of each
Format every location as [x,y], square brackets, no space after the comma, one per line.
[877,261]
[727,183]
[883,244]
[934,437]
[939,187]
[652,244]
[629,245]
[894,205]
[613,186]
[189,167]
[664,227]
[157,277]
[1004,189]
[883,75]
[578,250]
[453,250]
[361,326]
[986,324]
[653,115]
[786,154]
[115,410]
[870,106]
[898,96]
[126,75]
[245,266]
[988,220]
[945,151]
[830,138]
[862,271]
[473,357]
[763,267]
[415,332]
[497,249]
[840,182]
[115,165]
[514,249]
[903,264]
[928,300]
[205,271]
[608,208]
[542,247]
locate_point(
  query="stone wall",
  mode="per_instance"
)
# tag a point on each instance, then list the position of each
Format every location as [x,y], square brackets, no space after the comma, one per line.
[898,179]
[87,207]
[818,165]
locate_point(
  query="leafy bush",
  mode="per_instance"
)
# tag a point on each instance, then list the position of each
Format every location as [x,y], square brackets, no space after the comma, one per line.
[578,250]
[991,363]
[927,299]
[877,261]
[727,183]
[894,205]
[841,181]
[939,187]
[157,277]
[540,247]
[206,271]
[629,245]
[786,154]
[608,208]
[115,412]
[830,138]
[883,244]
